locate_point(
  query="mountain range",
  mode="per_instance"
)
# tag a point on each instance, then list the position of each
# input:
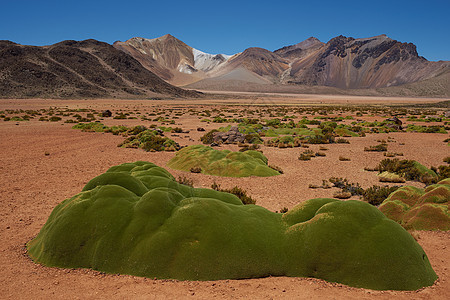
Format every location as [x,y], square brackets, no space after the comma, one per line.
[343,62]
[142,67]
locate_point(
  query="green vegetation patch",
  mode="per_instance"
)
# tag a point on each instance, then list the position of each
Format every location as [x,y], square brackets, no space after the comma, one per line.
[407,169]
[136,137]
[420,209]
[136,219]
[222,162]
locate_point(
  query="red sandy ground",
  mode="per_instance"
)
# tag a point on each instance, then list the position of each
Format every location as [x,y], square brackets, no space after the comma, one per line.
[34,183]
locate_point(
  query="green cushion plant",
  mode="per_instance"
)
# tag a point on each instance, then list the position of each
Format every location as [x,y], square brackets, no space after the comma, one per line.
[136,219]
[222,162]
[420,209]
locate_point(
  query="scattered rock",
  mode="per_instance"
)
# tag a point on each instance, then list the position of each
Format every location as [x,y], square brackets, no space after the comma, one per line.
[233,136]
[106,113]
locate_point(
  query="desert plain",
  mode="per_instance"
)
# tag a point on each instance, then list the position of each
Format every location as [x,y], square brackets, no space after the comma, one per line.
[45,162]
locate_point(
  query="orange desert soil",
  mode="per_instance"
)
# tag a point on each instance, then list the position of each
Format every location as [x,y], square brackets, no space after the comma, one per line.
[33,183]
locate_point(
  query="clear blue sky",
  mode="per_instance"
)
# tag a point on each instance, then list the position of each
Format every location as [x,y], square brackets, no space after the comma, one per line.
[229,26]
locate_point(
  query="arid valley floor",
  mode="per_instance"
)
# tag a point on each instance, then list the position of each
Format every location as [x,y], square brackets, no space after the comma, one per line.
[43,163]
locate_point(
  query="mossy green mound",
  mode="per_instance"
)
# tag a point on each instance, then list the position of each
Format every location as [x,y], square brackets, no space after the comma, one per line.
[222,162]
[136,219]
[420,209]
[390,177]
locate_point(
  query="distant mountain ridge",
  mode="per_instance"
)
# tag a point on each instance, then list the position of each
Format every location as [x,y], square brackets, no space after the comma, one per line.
[143,68]
[71,69]
[171,59]
[343,62]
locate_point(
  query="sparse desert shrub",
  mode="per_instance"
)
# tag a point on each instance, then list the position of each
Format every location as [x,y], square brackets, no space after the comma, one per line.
[345,185]
[246,147]
[303,156]
[321,139]
[377,148]
[443,172]
[237,191]
[208,138]
[375,195]
[284,210]
[447,159]
[241,194]
[343,158]
[195,170]
[319,153]
[276,168]
[120,116]
[253,138]
[408,169]
[186,181]
[306,155]
[342,141]
[287,141]
[54,119]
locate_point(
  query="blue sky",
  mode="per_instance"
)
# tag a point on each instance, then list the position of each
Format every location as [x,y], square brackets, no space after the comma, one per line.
[229,26]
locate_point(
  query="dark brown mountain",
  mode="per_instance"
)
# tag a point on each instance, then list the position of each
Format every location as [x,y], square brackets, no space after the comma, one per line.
[71,69]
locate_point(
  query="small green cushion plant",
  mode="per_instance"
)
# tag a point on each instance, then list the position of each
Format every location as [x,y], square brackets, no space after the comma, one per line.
[222,162]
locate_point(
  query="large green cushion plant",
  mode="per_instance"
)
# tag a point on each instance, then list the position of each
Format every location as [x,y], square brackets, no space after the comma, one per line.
[136,219]
[222,162]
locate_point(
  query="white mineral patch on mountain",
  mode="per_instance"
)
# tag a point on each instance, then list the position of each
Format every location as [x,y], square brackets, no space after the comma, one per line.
[206,62]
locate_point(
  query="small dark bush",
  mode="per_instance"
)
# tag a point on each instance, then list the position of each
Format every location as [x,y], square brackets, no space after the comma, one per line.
[443,172]
[120,116]
[276,168]
[177,130]
[237,191]
[196,170]
[208,138]
[342,141]
[284,210]
[346,186]
[306,155]
[375,195]
[246,147]
[378,148]
[405,168]
[186,181]
[253,139]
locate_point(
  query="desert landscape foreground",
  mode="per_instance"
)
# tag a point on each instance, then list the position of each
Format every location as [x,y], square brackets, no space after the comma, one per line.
[46,162]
